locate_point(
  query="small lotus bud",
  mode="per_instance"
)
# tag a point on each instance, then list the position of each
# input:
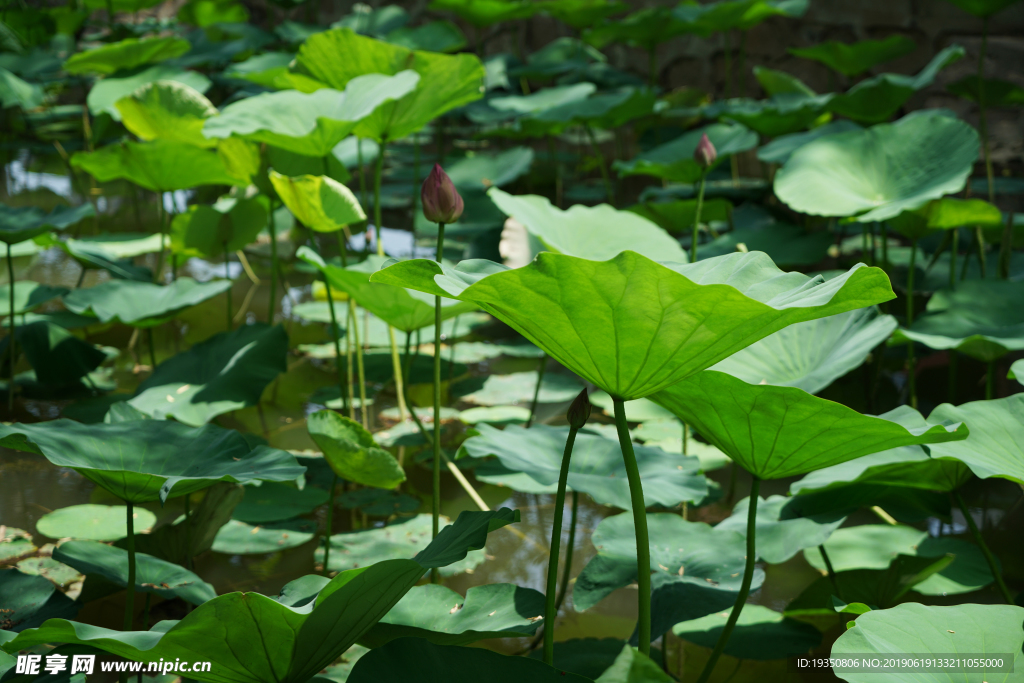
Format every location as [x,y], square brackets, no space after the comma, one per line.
[441,201]
[705,154]
[579,411]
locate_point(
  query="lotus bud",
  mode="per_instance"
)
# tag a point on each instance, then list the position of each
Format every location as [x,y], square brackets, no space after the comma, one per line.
[441,201]
[579,411]
[705,154]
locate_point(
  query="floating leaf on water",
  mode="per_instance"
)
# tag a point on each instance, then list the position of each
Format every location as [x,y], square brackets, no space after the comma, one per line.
[239,538]
[93,522]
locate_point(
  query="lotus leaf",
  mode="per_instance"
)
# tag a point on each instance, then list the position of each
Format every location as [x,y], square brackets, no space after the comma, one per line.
[781,533]
[982,629]
[674,160]
[106,93]
[781,148]
[542,100]
[311,124]
[204,13]
[482,171]
[443,617]
[338,56]
[595,233]
[226,226]
[947,213]
[162,165]
[588,657]
[1017,371]
[696,569]
[874,546]
[275,502]
[994,447]
[109,565]
[596,467]
[16,92]
[14,544]
[28,295]
[239,538]
[318,202]
[29,600]
[499,415]
[554,299]
[114,246]
[351,451]
[644,28]
[169,110]
[882,171]
[776,432]
[997,93]
[907,466]
[735,14]
[141,304]
[392,662]
[782,114]
[295,641]
[435,36]
[853,59]
[126,54]
[678,216]
[175,541]
[93,522]
[519,387]
[811,355]
[760,633]
[18,224]
[486,12]
[147,460]
[583,13]
[640,410]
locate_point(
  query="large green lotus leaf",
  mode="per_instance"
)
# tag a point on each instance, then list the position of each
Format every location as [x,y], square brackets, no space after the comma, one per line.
[790,246]
[645,28]
[519,387]
[153,575]
[393,662]
[142,304]
[269,69]
[482,171]
[596,233]
[337,56]
[781,532]
[633,326]
[434,36]
[632,666]
[983,8]
[275,502]
[697,570]
[995,447]
[126,54]
[167,109]
[351,451]
[161,165]
[320,202]
[542,100]
[997,93]
[400,539]
[879,172]
[982,630]
[443,617]
[114,246]
[21,223]
[210,230]
[811,355]
[909,466]
[787,112]
[760,633]
[482,13]
[946,213]
[595,468]
[28,295]
[106,93]
[284,640]
[875,546]
[309,123]
[588,657]
[239,538]
[781,148]
[674,160]
[94,522]
[776,432]
[981,318]
[17,92]
[147,460]
[1017,371]
[853,59]
[177,540]
[400,308]
[607,110]
[226,372]
[677,216]
[29,600]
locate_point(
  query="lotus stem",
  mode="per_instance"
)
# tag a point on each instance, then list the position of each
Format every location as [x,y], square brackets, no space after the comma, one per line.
[188,535]
[436,502]
[451,343]
[550,608]
[129,598]
[748,576]
[911,362]
[151,345]
[272,303]
[831,571]
[979,237]
[1006,248]
[686,439]
[608,189]
[536,389]
[227,275]
[954,247]
[378,171]
[989,557]
[14,325]
[337,347]
[696,217]
[567,568]
[360,368]
[330,520]
[990,381]
[643,547]
[343,251]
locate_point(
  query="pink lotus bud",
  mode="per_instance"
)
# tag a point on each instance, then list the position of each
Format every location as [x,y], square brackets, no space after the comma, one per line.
[441,201]
[579,411]
[705,154]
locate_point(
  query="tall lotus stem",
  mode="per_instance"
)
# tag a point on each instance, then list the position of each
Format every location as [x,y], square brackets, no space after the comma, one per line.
[704,154]
[567,569]
[272,229]
[188,533]
[360,368]
[748,576]
[227,276]
[911,362]
[831,571]
[536,390]
[13,326]
[129,599]
[337,347]
[643,547]
[989,557]
[578,414]
[330,520]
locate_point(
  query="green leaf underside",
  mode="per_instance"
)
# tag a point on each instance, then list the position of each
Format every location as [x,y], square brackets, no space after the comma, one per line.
[995,446]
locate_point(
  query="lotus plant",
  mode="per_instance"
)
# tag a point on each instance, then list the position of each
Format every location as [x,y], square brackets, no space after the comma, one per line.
[705,156]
